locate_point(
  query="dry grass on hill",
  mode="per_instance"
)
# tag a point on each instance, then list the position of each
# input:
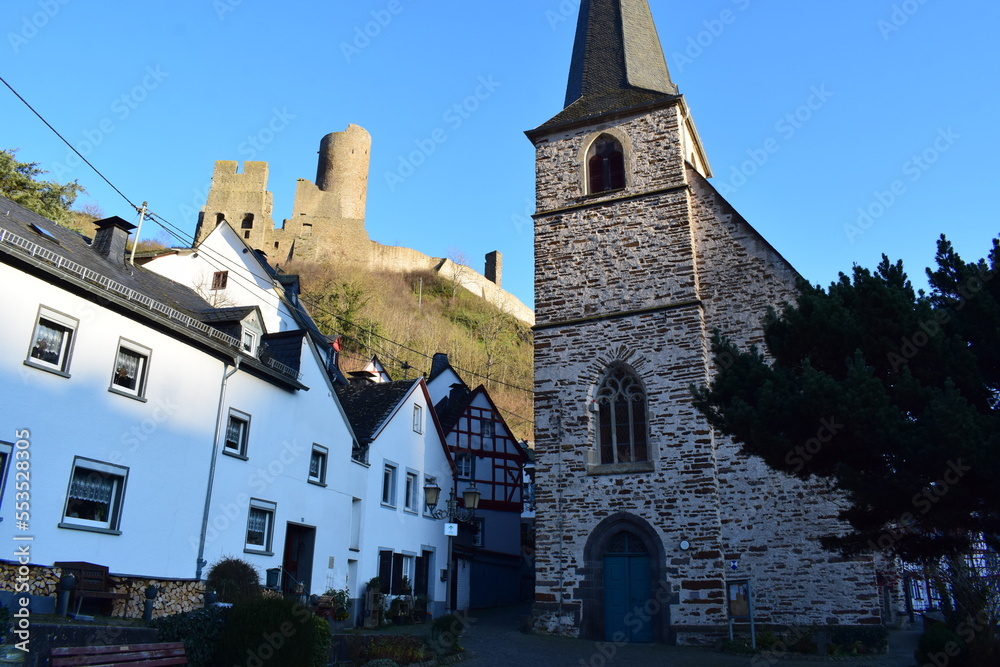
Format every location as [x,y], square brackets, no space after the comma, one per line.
[406,318]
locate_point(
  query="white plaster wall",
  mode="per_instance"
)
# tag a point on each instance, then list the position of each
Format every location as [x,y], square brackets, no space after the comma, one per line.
[395,528]
[164,442]
[284,425]
[248,283]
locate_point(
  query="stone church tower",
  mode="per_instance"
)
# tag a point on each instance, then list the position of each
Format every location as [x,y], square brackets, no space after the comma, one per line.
[650,523]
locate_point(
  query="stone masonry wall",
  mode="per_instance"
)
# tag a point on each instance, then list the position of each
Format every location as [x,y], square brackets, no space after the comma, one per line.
[643,276]
[771,522]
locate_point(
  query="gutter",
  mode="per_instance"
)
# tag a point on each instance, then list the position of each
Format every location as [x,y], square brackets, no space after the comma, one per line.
[201,562]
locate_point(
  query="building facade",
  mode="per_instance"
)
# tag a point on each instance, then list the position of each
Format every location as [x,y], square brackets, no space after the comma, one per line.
[650,525]
[488,456]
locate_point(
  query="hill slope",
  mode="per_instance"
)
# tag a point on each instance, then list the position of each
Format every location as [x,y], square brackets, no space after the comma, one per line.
[406,318]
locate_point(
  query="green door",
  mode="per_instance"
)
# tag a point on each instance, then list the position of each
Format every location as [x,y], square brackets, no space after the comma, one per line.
[627,590]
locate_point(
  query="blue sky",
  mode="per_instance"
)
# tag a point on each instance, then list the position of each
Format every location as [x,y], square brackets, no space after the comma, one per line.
[811,112]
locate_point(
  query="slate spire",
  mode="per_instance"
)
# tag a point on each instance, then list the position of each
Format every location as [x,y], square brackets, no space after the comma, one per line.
[617,53]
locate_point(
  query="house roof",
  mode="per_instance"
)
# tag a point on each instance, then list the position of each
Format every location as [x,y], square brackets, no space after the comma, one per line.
[618,61]
[76,248]
[450,408]
[370,405]
[233,314]
[67,258]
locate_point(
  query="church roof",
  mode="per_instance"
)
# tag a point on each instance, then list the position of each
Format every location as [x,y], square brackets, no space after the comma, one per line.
[618,61]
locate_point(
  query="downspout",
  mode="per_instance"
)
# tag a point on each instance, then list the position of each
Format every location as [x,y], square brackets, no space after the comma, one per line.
[201,562]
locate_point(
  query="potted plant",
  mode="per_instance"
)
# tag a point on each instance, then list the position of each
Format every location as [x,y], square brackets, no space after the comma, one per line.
[374,603]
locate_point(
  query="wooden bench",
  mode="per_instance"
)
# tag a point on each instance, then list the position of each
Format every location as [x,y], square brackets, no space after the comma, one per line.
[152,655]
[91,582]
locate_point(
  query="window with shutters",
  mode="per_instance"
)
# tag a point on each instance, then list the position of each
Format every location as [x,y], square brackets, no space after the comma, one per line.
[622,433]
[605,165]
[95,495]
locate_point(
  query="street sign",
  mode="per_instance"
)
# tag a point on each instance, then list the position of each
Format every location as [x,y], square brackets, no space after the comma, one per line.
[451,529]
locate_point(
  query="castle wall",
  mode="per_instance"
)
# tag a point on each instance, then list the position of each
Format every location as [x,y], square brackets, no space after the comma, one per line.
[328,219]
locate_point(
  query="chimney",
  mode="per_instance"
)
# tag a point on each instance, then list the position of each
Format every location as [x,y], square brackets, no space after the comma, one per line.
[111,237]
[438,365]
[494,267]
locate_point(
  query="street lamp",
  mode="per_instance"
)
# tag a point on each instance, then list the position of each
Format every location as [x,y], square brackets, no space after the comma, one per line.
[451,511]
[453,514]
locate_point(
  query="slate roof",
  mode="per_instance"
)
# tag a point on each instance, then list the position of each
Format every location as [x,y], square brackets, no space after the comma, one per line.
[450,408]
[617,64]
[70,258]
[368,405]
[232,314]
[76,248]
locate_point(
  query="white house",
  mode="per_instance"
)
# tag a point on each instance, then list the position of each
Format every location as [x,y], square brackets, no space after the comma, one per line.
[394,535]
[286,458]
[165,428]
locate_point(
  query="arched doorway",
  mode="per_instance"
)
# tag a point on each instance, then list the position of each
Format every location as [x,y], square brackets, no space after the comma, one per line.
[624,588]
[627,588]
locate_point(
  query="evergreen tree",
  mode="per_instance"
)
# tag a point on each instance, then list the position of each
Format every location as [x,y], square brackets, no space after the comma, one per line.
[19,183]
[888,394]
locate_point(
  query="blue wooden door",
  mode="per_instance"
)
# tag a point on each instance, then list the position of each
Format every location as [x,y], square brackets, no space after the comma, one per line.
[627,589]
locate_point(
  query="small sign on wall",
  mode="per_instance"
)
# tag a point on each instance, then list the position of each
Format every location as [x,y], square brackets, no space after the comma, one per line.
[738,596]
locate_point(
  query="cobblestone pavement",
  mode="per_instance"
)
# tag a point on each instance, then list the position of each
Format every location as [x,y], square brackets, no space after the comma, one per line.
[493,640]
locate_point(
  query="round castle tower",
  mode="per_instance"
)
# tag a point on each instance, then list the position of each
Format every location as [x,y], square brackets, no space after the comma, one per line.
[344,159]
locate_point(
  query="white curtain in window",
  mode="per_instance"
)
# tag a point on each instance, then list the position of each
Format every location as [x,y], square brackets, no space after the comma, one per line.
[126,368]
[90,486]
[234,432]
[48,343]
[258,521]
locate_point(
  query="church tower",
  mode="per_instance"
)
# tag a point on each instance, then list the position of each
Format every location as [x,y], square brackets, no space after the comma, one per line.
[650,525]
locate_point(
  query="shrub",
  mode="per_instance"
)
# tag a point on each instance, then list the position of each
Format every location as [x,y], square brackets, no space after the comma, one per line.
[445,632]
[381,662]
[199,630]
[861,639]
[234,580]
[278,632]
[934,644]
[398,649]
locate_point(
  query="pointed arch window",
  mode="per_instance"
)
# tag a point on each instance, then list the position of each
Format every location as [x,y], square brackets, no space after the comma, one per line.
[605,165]
[622,434]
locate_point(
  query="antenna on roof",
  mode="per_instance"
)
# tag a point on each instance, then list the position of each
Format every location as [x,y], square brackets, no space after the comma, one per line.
[135,239]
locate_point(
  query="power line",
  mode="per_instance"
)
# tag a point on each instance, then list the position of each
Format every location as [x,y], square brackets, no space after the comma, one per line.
[71,147]
[177,233]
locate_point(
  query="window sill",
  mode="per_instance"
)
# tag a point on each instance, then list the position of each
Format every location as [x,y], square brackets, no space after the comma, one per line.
[47,369]
[355,550]
[363,464]
[236,455]
[409,511]
[258,552]
[316,482]
[602,193]
[134,397]
[89,529]
[388,506]
[620,468]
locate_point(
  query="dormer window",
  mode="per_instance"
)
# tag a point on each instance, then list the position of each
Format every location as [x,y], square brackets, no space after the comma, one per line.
[250,342]
[605,165]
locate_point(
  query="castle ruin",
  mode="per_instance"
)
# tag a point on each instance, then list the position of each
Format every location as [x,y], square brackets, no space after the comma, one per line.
[328,220]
